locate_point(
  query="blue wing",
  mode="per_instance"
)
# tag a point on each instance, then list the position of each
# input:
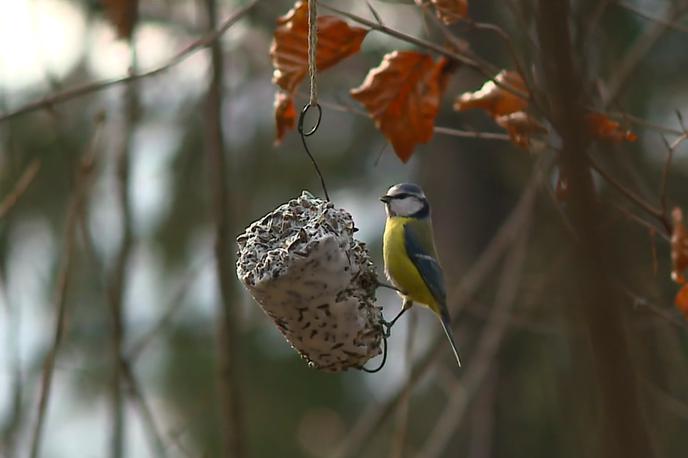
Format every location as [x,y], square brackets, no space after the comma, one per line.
[424,260]
[421,251]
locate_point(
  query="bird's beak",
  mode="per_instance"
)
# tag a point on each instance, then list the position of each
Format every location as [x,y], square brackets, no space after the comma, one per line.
[385,199]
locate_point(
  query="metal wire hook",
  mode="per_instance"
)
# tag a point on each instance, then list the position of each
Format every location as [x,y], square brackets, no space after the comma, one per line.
[384,356]
[305,145]
[302,118]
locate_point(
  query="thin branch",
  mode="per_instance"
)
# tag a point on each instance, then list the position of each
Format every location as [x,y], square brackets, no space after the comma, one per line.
[372,419]
[646,224]
[175,303]
[136,394]
[399,437]
[483,418]
[625,68]
[374,13]
[20,187]
[487,347]
[595,308]
[663,198]
[640,302]
[14,412]
[88,88]
[345,108]
[227,338]
[117,278]
[643,123]
[472,134]
[64,276]
[630,195]
[666,22]
[467,61]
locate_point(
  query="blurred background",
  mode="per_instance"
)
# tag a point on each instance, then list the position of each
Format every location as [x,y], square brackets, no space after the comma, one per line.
[135,232]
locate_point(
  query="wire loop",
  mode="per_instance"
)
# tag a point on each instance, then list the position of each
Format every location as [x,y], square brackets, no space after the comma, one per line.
[302,118]
[384,356]
[305,145]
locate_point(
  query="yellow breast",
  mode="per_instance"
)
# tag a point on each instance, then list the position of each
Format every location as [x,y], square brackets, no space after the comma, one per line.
[398,266]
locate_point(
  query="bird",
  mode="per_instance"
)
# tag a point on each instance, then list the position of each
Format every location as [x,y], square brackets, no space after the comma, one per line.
[410,256]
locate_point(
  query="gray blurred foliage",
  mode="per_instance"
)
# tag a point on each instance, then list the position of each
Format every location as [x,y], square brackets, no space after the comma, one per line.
[529,405]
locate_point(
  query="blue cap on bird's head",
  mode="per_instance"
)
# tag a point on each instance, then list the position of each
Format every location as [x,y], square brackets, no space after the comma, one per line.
[406,199]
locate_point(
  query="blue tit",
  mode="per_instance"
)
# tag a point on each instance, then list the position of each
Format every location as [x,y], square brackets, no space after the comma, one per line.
[410,256]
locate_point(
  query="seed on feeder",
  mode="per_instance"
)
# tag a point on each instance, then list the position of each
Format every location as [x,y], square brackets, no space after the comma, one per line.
[302,265]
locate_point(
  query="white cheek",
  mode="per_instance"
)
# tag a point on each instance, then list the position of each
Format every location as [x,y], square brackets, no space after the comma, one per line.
[407,206]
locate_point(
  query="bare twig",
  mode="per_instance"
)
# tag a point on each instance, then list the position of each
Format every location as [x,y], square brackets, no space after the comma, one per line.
[14,413]
[345,108]
[626,67]
[482,421]
[646,224]
[663,198]
[639,302]
[596,307]
[665,21]
[373,419]
[472,134]
[64,276]
[136,394]
[374,12]
[20,188]
[174,305]
[232,426]
[401,429]
[644,123]
[117,278]
[487,347]
[630,195]
[448,53]
[88,88]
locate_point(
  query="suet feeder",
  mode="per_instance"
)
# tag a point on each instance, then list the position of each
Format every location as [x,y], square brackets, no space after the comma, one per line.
[317,283]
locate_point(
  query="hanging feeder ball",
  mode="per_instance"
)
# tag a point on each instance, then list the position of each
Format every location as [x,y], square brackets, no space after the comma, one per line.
[303,266]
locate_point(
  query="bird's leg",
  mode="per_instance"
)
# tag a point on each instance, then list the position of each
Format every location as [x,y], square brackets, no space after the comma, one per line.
[405,306]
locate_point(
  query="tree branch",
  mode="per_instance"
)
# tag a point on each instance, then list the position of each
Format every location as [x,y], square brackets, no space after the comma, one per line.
[373,419]
[117,281]
[470,62]
[487,347]
[89,88]
[597,307]
[232,428]
[76,204]
[20,188]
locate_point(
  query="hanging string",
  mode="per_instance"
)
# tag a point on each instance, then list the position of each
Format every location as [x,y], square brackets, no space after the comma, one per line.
[312,50]
[313,99]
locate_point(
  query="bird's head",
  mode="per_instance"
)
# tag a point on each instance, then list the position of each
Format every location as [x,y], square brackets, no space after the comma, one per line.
[406,200]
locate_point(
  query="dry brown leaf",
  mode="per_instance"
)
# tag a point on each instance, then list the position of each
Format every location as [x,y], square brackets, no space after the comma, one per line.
[123,14]
[604,128]
[520,127]
[679,247]
[681,301]
[450,11]
[285,114]
[494,99]
[403,95]
[289,49]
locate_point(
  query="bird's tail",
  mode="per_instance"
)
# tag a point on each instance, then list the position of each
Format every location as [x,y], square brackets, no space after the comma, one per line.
[446,324]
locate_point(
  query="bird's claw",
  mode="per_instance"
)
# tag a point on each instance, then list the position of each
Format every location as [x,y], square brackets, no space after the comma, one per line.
[387,328]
